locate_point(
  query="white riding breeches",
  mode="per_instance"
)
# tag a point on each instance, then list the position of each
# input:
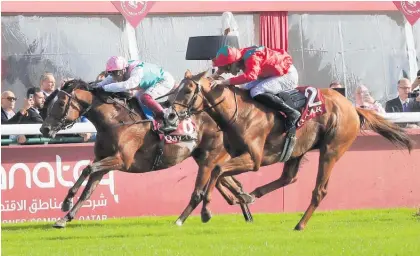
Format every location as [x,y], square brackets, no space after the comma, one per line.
[274,85]
[161,88]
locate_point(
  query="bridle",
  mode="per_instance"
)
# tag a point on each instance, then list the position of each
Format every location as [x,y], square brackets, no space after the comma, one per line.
[189,107]
[63,123]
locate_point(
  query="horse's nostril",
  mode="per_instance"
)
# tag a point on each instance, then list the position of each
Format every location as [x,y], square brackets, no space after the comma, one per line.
[171,116]
[44,130]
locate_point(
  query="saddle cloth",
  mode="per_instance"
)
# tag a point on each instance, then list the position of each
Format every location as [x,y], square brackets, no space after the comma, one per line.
[308,100]
[186,129]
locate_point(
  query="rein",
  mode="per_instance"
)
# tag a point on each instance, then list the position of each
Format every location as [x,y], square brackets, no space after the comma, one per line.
[63,124]
[190,105]
[63,121]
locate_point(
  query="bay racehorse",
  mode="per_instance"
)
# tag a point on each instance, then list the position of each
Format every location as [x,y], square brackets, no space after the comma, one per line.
[257,134]
[126,142]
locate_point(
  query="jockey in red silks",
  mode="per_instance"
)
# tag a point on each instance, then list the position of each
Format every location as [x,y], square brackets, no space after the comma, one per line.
[151,81]
[266,72]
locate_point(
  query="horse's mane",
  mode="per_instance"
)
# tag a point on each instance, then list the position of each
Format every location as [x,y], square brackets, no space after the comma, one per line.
[239,91]
[70,85]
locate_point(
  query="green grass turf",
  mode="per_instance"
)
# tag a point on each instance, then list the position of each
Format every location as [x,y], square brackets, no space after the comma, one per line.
[362,232]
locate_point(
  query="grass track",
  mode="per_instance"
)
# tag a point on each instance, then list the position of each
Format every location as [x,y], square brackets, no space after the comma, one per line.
[362,232]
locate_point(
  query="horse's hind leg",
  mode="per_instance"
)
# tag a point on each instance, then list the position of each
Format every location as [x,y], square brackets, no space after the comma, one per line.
[93,182]
[288,177]
[329,155]
[73,190]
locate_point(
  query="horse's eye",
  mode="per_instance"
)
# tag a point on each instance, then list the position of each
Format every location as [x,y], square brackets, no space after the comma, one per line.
[61,103]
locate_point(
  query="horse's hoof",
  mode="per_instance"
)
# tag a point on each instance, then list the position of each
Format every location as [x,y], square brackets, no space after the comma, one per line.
[205,216]
[61,223]
[247,198]
[299,227]
[66,206]
[179,222]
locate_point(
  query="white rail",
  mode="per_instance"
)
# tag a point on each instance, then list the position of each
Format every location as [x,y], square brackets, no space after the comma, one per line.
[33,129]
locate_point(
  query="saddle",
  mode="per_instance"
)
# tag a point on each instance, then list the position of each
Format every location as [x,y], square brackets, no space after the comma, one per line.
[310,103]
[293,98]
[184,131]
[308,100]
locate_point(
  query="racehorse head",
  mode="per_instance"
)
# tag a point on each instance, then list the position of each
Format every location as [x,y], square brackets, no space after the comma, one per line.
[197,94]
[73,100]
[188,96]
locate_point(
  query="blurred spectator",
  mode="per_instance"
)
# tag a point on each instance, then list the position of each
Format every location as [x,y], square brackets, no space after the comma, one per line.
[32,115]
[8,114]
[8,101]
[335,84]
[47,83]
[365,100]
[402,103]
[29,114]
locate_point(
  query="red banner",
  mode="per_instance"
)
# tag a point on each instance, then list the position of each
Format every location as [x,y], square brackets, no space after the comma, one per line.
[410,10]
[134,11]
[35,179]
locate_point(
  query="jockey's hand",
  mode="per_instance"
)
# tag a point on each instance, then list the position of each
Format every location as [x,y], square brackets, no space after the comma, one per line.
[215,83]
[99,89]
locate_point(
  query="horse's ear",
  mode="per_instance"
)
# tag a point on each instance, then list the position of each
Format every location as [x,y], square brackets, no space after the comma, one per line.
[209,72]
[188,74]
[202,74]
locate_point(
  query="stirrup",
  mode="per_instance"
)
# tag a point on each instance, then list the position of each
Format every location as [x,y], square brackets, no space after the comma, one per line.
[288,125]
[165,128]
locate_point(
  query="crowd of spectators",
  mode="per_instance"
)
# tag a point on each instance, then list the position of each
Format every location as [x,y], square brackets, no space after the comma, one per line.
[407,100]
[33,112]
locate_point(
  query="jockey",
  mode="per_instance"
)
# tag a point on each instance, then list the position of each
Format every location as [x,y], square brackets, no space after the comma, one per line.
[266,72]
[151,80]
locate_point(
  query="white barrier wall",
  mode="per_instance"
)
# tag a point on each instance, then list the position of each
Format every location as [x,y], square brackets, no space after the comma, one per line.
[33,129]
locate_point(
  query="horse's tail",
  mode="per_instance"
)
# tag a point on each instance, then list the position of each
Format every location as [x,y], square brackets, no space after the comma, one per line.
[392,132]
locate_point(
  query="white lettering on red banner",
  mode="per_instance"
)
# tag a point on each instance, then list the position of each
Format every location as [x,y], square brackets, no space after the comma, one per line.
[410,10]
[134,11]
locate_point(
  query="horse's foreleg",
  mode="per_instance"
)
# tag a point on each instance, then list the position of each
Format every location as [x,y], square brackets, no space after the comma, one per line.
[231,189]
[97,171]
[197,195]
[73,190]
[93,182]
[288,177]
[237,165]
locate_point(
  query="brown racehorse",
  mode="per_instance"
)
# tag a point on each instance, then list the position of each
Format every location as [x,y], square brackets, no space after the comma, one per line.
[126,142]
[257,133]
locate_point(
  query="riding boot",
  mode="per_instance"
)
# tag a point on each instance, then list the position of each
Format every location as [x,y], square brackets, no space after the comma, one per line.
[276,103]
[153,105]
[167,124]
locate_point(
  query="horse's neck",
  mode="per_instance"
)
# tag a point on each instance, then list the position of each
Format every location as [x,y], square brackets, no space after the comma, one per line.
[105,115]
[228,105]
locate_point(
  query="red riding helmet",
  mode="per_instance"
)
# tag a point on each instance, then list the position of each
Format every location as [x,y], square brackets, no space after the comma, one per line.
[226,55]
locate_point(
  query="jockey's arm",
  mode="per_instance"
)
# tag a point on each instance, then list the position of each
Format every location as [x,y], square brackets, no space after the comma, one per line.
[252,69]
[107,80]
[131,83]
